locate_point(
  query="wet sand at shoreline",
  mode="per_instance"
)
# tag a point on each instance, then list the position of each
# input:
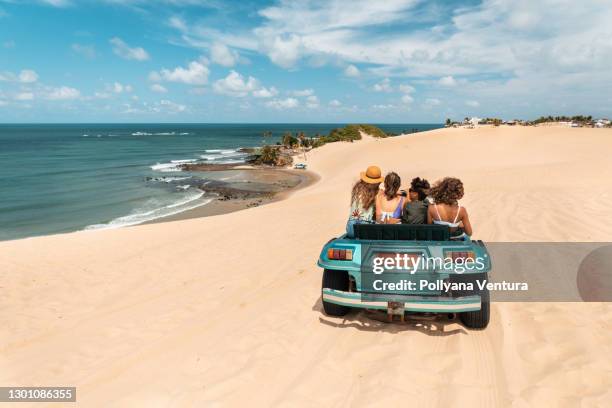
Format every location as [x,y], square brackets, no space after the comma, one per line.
[281,187]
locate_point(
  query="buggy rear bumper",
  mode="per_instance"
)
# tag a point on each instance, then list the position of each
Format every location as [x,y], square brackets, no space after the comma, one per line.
[435,304]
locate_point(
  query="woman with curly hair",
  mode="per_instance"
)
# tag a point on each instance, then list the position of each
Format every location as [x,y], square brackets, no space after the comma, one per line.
[388,203]
[446,210]
[363,197]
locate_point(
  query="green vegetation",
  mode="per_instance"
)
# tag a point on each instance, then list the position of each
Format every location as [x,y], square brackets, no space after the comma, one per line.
[492,121]
[373,130]
[268,155]
[577,119]
[349,133]
[581,120]
[280,154]
[289,140]
[271,155]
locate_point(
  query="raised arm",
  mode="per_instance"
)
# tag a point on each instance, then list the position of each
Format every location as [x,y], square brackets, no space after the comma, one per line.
[465,219]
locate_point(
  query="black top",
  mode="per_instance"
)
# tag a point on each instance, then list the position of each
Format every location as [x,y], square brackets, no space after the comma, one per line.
[415,212]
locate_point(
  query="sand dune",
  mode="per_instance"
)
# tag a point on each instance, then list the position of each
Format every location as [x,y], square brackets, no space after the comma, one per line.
[225,310]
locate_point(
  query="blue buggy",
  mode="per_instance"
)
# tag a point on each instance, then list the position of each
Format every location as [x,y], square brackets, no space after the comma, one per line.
[428,273]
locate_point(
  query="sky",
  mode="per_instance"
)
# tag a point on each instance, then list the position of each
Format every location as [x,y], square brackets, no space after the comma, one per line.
[393,61]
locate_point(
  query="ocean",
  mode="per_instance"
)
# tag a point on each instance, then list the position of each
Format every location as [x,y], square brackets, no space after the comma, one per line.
[58,178]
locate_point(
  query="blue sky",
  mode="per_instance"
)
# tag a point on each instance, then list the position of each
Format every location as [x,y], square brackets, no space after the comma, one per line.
[302,61]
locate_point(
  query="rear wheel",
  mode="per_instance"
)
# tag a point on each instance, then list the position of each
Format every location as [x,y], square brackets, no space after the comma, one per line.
[478,319]
[337,280]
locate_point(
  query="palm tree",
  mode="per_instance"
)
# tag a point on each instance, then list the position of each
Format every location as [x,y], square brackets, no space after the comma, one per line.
[301,138]
[268,155]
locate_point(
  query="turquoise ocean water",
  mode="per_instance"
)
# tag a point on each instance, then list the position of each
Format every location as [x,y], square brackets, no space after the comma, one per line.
[68,177]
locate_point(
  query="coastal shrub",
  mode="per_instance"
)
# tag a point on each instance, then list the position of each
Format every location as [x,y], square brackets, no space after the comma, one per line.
[575,118]
[289,140]
[268,155]
[349,133]
[271,155]
[373,130]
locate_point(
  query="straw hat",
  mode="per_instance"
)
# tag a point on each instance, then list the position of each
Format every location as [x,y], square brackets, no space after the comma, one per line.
[372,175]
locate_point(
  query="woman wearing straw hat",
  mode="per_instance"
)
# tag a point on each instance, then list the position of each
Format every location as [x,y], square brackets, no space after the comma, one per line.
[363,198]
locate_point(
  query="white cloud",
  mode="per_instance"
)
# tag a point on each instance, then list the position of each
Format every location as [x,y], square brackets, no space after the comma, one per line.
[472,103]
[234,84]
[302,92]
[312,102]
[351,71]
[407,99]
[383,107]
[265,92]
[170,106]
[122,49]
[158,88]
[293,29]
[63,93]
[87,51]
[447,81]
[288,103]
[432,102]
[24,96]
[283,50]
[3,103]
[196,73]
[118,87]
[222,55]
[383,86]
[178,23]
[335,103]
[28,76]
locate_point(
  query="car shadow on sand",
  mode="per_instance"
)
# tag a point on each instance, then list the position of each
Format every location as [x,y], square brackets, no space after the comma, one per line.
[376,321]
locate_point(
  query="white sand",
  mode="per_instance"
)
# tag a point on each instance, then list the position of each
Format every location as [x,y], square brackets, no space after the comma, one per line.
[226,309]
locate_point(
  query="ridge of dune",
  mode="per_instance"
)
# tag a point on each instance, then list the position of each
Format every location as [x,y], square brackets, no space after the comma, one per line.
[225,310]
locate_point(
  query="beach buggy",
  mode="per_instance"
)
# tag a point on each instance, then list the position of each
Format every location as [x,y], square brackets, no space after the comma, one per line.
[404,269]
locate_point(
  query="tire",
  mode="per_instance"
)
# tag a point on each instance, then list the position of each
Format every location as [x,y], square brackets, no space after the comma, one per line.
[478,319]
[338,280]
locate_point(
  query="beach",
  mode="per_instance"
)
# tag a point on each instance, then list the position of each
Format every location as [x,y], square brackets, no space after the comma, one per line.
[225,310]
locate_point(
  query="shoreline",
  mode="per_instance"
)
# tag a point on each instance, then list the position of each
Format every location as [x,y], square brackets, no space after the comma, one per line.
[221,205]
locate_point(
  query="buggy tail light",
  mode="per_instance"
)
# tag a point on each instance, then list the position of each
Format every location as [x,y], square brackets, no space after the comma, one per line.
[461,255]
[340,254]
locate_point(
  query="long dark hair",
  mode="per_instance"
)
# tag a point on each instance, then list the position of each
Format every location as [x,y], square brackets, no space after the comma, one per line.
[447,191]
[420,186]
[364,192]
[392,185]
